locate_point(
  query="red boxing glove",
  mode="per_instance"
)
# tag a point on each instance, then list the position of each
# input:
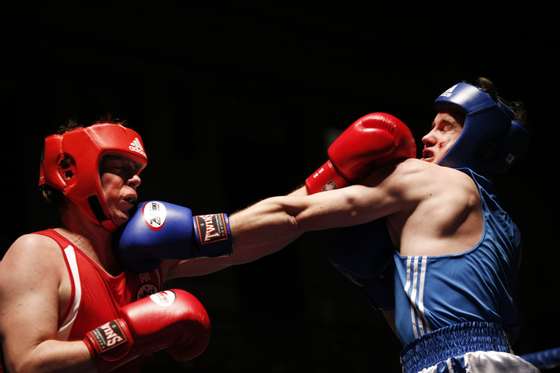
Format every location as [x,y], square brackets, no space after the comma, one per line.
[372,141]
[171,319]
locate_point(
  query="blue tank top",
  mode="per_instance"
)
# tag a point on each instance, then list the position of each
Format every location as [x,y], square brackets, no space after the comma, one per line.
[432,292]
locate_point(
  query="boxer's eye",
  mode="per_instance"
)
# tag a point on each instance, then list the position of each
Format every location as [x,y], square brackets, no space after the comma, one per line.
[120,166]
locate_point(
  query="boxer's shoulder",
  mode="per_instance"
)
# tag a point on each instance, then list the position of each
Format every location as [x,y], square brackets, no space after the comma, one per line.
[415,181]
[431,174]
[29,243]
[457,184]
[33,253]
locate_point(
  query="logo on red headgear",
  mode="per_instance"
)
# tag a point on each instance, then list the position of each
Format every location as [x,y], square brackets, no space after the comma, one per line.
[136,146]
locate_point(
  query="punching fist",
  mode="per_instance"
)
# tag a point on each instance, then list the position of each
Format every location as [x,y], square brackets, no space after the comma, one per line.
[171,319]
[371,142]
[162,230]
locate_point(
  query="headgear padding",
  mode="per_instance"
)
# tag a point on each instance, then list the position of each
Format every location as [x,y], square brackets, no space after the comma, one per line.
[491,138]
[79,179]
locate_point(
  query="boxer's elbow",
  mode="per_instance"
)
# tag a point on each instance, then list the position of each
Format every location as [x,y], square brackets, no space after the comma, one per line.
[53,356]
[29,366]
[32,362]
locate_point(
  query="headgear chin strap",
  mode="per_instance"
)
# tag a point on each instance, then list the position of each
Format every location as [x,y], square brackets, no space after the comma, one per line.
[78,179]
[491,139]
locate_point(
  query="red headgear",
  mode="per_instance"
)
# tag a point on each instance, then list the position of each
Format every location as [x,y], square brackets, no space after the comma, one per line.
[80,181]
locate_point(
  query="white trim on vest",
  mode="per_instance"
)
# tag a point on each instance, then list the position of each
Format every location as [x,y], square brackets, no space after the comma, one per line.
[66,327]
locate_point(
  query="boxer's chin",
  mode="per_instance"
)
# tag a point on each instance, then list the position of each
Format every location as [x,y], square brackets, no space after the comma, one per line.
[120,217]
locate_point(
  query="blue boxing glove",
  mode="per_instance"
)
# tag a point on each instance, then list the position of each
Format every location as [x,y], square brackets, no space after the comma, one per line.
[161,230]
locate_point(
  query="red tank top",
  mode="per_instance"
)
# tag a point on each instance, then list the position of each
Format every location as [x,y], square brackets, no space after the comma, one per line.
[96,295]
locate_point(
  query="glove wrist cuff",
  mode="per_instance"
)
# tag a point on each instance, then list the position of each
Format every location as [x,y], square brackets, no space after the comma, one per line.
[212,235]
[325,178]
[110,344]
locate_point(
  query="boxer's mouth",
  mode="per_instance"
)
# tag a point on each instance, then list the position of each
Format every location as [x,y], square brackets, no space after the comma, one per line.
[427,155]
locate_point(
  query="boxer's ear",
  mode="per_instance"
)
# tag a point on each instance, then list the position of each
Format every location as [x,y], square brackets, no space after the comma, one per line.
[67,167]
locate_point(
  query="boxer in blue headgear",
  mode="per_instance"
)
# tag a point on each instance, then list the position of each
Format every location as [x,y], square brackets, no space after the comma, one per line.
[455,251]
[457,312]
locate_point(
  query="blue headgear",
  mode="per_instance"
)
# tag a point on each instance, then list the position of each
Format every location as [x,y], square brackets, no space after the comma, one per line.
[491,138]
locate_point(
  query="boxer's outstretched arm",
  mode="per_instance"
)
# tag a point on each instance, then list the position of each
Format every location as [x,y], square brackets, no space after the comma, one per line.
[30,278]
[273,223]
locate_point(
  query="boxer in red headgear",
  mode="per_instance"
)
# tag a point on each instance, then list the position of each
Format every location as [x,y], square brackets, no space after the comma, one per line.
[70,306]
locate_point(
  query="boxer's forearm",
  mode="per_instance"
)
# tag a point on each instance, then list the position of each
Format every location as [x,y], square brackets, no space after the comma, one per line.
[272,224]
[263,229]
[53,356]
[257,231]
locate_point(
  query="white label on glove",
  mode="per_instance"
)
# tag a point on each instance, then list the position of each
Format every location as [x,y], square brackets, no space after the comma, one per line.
[163,298]
[154,214]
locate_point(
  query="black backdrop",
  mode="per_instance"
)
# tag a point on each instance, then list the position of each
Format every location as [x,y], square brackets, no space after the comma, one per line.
[237,103]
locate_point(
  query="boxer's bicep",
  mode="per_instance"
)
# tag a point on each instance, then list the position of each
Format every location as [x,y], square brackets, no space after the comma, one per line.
[29,282]
[356,204]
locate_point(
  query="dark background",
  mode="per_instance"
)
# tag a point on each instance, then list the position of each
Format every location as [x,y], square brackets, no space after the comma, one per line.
[238,103]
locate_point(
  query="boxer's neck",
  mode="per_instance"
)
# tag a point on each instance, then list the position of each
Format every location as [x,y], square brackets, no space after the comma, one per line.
[92,239]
